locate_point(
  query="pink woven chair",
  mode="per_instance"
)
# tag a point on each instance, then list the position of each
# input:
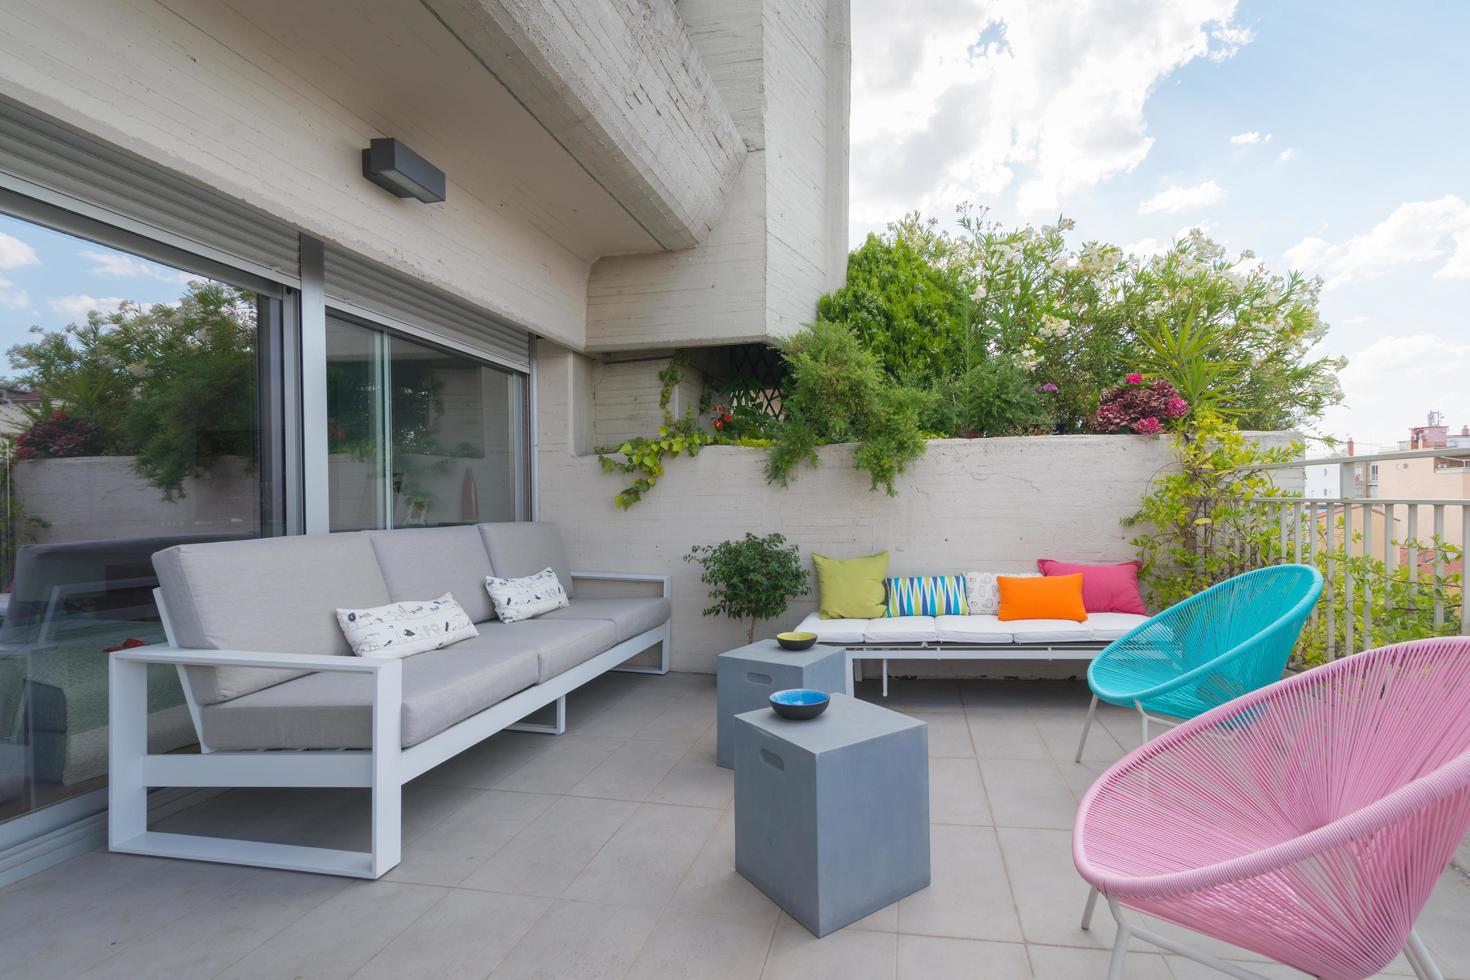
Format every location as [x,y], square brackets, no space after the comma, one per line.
[1307,821]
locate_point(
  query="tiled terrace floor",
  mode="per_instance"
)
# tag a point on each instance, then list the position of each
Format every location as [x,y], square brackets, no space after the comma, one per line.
[608,853]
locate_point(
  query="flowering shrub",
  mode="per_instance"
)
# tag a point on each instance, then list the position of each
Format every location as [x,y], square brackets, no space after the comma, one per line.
[1137,407]
[60,435]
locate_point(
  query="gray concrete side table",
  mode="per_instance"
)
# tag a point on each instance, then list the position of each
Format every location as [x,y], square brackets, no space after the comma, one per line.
[832,814]
[747,677]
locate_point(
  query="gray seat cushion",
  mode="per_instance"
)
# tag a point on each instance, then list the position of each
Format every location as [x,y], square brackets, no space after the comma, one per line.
[334,711]
[277,595]
[629,617]
[424,562]
[524,548]
[559,645]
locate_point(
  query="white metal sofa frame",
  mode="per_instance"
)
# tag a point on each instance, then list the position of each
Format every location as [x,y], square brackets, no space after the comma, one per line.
[383,769]
[1085,650]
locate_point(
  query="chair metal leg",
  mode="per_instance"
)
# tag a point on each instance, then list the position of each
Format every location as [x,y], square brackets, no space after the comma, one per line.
[1143,719]
[1082,743]
[1089,908]
[1120,945]
[1418,956]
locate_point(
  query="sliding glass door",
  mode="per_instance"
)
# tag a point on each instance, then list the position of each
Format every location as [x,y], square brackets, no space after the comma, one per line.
[417,435]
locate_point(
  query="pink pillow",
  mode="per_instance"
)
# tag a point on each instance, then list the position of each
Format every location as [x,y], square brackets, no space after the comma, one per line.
[1105,588]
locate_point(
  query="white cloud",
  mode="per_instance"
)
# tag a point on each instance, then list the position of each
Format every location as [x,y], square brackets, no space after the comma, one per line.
[76,306]
[1416,232]
[1286,154]
[120,265]
[1391,383]
[961,99]
[1174,199]
[1252,137]
[1146,247]
[15,253]
[15,299]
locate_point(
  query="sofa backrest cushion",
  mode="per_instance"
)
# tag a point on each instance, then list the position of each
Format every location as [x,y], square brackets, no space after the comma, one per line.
[526,547]
[423,562]
[277,595]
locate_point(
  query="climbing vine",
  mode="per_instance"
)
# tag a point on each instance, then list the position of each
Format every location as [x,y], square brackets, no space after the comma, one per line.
[643,458]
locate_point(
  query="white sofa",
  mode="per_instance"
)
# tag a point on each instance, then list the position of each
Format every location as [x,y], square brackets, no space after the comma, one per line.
[277,698]
[973,637]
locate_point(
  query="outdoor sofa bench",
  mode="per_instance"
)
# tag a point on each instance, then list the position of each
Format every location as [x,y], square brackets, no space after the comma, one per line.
[277,699]
[971,637]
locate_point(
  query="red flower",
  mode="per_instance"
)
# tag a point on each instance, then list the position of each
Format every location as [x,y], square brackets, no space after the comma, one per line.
[1176,407]
[1134,379]
[1147,427]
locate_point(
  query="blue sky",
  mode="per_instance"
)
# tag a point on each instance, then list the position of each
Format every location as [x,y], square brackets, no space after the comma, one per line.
[1358,169]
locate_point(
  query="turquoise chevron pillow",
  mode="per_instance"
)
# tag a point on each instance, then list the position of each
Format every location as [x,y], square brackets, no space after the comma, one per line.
[927,595]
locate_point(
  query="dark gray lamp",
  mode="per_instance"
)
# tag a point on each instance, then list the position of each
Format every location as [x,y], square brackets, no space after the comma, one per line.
[402,172]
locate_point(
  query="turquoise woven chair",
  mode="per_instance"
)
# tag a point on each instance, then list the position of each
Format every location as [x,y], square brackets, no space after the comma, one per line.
[1229,640]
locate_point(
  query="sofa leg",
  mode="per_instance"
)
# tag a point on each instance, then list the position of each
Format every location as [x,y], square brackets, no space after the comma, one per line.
[662,667]
[557,726]
[127,794]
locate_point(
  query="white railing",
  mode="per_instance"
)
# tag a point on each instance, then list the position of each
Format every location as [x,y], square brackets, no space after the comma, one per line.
[1393,566]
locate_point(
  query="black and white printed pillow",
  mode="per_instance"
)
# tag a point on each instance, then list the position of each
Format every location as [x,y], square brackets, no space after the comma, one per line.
[522,598]
[403,629]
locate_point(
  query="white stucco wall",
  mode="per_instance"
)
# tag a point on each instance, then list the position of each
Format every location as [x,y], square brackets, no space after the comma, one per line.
[967,504]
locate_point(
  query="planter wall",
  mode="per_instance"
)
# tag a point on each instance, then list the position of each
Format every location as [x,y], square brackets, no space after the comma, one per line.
[967,504]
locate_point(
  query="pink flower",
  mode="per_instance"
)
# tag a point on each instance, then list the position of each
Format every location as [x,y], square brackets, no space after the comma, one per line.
[1147,427]
[1175,408]
[1134,379]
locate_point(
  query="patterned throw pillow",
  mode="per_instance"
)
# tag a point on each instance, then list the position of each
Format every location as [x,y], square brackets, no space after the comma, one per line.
[522,598]
[927,595]
[403,629]
[983,593]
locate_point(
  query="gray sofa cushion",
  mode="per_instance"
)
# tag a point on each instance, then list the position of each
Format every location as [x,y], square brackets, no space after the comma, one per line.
[423,562]
[277,595]
[334,711]
[629,617]
[559,645]
[524,548]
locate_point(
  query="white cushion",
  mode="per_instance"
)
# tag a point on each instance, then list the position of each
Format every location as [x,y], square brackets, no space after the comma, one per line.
[972,629]
[1109,626]
[834,630]
[982,595]
[1049,631]
[901,629]
[402,629]
[516,599]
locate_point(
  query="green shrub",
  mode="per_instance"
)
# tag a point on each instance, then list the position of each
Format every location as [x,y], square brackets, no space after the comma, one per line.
[998,398]
[750,579]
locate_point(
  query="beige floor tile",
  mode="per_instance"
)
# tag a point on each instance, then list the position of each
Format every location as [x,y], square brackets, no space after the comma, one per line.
[1004,733]
[949,734]
[713,887]
[644,862]
[338,937]
[939,958]
[968,896]
[848,954]
[579,941]
[1092,964]
[459,844]
[632,771]
[1049,894]
[1028,793]
[548,855]
[956,793]
[561,764]
[464,936]
[696,947]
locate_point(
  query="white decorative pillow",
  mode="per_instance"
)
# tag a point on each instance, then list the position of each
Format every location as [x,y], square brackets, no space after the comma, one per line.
[982,594]
[403,629]
[521,598]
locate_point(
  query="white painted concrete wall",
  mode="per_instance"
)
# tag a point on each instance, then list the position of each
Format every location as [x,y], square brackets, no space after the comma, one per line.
[967,504]
[625,398]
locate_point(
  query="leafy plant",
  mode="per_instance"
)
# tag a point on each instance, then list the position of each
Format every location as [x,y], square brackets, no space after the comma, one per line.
[643,458]
[998,398]
[60,435]
[752,578]
[838,393]
[1137,406]
[1202,525]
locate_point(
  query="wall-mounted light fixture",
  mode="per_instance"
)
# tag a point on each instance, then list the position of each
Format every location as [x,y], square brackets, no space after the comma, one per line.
[402,172]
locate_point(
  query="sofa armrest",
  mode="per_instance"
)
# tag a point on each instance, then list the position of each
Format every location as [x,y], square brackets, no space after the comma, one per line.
[664,582]
[162,653]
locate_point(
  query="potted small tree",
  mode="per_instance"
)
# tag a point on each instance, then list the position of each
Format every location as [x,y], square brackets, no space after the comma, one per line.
[750,579]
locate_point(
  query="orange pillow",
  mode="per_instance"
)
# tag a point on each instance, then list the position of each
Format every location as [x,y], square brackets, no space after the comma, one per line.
[1051,597]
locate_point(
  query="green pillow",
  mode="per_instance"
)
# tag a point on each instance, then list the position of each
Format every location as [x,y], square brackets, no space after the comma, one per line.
[852,588]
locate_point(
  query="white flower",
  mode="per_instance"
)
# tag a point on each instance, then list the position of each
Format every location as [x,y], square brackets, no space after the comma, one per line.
[1028,359]
[1066,224]
[979,292]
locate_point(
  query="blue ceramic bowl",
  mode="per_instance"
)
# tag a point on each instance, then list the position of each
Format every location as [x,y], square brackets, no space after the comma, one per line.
[799,703]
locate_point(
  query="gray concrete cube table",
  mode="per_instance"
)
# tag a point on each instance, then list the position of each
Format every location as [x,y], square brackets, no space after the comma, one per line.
[747,677]
[832,814]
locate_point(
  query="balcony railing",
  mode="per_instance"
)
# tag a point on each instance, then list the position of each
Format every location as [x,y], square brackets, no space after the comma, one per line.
[1394,566]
